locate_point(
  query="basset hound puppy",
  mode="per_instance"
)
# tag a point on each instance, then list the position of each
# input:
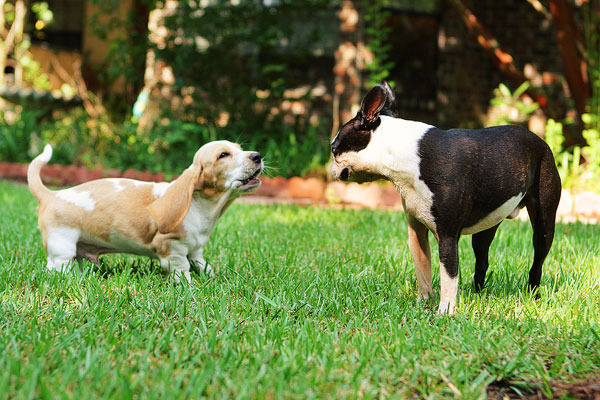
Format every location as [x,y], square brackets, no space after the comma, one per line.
[171,221]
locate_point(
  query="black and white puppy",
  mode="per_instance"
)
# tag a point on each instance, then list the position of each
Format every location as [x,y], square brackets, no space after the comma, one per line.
[454,182]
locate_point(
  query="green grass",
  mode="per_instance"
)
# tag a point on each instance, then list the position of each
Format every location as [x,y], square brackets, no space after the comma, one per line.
[306,303]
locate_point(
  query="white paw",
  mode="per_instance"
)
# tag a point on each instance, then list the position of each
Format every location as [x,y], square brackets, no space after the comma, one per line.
[446,307]
[208,270]
[59,266]
[178,275]
[205,267]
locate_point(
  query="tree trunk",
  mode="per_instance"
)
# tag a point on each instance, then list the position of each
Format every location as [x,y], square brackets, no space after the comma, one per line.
[158,75]
[574,66]
[19,50]
[347,80]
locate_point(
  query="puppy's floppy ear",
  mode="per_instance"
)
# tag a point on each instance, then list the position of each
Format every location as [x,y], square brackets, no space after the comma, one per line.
[372,105]
[170,209]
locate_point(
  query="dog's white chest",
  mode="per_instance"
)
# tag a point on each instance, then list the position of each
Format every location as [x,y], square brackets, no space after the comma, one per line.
[200,221]
[198,225]
[418,202]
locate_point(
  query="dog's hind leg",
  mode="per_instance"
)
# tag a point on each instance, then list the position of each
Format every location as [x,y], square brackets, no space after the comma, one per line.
[542,201]
[481,242]
[62,248]
[418,244]
[196,259]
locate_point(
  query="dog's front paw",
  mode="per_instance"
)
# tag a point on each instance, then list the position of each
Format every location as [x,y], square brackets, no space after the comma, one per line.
[178,276]
[208,270]
[446,307]
[203,266]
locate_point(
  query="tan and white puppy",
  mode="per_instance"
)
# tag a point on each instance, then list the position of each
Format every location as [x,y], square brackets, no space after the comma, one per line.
[171,221]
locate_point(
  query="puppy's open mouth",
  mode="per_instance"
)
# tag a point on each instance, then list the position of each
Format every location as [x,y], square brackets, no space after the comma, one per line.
[252,180]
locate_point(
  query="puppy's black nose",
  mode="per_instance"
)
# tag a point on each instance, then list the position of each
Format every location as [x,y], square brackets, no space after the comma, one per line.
[256,157]
[344,174]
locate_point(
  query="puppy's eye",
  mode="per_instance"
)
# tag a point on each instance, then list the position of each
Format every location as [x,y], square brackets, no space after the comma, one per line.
[223,155]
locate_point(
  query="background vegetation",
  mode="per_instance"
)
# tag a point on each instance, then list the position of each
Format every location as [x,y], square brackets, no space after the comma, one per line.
[270,83]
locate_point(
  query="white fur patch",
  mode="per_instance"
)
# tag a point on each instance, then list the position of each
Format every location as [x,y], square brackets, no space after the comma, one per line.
[46,154]
[495,217]
[449,290]
[117,184]
[160,188]
[393,151]
[81,199]
[62,247]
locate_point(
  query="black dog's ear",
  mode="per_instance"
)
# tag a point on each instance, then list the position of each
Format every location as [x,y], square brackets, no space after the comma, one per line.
[390,103]
[372,105]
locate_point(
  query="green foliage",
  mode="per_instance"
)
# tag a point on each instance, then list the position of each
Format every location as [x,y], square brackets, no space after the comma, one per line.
[244,70]
[16,135]
[510,107]
[592,150]
[42,12]
[33,73]
[9,12]
[307,302]
[377,35]
[579,167]
[223,69]
[168,147]
[126,55]
[554,136]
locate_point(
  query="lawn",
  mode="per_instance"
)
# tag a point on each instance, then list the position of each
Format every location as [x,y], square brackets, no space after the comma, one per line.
[306,303]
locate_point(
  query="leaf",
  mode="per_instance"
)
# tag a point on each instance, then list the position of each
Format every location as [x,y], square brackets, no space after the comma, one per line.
[531,108]
[504,90]
[521,89]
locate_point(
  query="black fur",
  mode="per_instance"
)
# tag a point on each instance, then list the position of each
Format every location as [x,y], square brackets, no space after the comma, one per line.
[352,137]
[355,134]
[471,173]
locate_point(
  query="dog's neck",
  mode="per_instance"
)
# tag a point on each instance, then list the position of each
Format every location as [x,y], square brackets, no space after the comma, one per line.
[394,149]
[215,206]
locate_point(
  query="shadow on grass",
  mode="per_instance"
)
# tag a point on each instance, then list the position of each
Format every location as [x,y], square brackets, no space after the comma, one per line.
[584,389]
[111,265]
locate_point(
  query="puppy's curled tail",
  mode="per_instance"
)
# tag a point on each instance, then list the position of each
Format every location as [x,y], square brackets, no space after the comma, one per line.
[33,174]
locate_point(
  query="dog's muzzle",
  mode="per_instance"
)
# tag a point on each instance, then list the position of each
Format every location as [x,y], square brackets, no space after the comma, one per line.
[341,173]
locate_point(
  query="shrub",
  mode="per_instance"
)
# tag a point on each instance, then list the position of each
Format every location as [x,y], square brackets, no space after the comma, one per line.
[169,147]
[16,132]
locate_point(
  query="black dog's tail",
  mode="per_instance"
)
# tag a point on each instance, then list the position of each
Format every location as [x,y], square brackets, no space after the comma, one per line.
[542,203]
